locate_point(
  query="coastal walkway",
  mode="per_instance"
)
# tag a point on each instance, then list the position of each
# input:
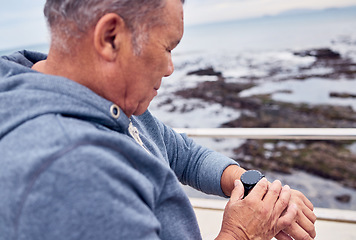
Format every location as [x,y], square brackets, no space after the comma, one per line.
[331,223]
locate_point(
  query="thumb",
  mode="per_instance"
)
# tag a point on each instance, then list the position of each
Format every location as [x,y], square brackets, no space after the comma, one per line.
[238,192]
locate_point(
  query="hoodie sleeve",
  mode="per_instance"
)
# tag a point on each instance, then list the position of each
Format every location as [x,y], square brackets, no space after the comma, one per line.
[194,165]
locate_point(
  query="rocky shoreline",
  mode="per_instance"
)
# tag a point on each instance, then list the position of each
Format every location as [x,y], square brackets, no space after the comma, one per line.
[327,159]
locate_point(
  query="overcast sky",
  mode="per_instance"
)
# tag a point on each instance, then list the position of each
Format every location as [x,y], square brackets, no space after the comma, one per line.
[202,11]
[22,22]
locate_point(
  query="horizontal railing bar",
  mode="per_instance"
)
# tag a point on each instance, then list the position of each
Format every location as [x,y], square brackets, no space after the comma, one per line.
[273,133]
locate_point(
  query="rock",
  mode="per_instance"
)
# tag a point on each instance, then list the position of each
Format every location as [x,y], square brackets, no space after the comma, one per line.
[217,91]
[345,198]
[340,66]
[206,72]
[321,53]
[327,159]
[342,95]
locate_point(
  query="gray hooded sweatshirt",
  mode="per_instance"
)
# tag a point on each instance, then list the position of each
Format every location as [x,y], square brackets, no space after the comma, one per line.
[72,166]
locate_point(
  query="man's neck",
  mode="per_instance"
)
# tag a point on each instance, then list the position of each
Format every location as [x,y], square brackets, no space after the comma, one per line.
[66,65]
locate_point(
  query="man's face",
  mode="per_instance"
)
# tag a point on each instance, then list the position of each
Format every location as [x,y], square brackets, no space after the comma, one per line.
[143,73]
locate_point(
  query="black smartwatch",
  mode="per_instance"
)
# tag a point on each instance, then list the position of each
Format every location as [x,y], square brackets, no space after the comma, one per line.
[249,179]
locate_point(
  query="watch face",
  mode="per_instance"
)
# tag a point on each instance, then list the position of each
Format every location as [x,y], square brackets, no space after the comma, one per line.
[251,177]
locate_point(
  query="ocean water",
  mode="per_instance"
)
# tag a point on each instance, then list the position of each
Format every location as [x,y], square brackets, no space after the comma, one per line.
[284,31]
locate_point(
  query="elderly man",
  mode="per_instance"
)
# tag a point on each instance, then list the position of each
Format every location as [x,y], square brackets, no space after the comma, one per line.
[82,158]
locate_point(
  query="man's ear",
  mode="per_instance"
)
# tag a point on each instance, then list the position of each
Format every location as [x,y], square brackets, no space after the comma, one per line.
[109,32]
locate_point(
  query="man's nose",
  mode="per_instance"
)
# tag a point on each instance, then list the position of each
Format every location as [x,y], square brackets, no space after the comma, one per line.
[170,68]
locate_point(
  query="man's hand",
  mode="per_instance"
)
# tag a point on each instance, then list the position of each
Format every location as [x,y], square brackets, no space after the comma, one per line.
[303,227]
[304,223]
[261,215]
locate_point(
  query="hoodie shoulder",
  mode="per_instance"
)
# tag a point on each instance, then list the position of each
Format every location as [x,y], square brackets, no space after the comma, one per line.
[25,58]
[19,62]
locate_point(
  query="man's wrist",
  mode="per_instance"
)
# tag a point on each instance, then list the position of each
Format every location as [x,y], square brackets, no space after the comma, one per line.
[230,174]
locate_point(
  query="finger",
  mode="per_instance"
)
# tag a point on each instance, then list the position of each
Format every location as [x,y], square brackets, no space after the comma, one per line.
[282,236]
[305,223]
[298,233]
[306,217]
[308,213]
[303,198]
[273,193]
[308,203]
[238,191]
[283,200]
[259,191]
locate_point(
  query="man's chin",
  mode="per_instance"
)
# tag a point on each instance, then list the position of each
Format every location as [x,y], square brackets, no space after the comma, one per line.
[141,109]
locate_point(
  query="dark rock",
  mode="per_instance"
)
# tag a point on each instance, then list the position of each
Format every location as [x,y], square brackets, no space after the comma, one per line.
[206,72]
[346,198]
[321,53]
[342,95]
[327,159]
[217,91]
[342,67]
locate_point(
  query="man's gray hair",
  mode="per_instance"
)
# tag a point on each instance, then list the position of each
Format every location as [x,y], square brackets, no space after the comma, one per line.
[73,18]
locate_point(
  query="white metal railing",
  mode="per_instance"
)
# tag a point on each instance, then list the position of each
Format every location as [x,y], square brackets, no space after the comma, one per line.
[332,215]
[273,133]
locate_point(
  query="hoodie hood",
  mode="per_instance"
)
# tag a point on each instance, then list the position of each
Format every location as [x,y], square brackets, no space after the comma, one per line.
[26,94]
